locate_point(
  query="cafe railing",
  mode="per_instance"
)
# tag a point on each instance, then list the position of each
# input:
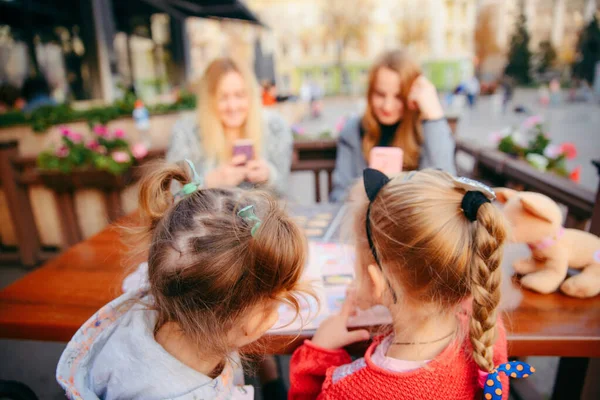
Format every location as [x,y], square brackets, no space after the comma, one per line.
[500,169]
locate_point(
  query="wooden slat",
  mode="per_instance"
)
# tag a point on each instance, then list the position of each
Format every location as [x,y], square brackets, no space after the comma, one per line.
[19,205]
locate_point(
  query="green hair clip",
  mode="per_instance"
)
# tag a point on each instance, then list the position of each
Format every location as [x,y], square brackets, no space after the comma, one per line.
[192,186]
[247,214]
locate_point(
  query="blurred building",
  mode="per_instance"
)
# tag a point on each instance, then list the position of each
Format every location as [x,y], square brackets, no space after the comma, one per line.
[309,37]
[210,38]
[97,49]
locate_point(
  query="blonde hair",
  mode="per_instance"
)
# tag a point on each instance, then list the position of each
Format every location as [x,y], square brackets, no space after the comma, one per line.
[430,250]
[205,268]
[409,134]
[211,128]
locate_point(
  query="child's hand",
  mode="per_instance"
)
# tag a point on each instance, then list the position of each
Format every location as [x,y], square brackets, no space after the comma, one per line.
[333,332]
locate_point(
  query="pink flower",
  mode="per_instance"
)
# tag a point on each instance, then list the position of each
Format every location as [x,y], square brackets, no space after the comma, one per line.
[569,150]
[552,151]
[76,137]
[121,156]
[92,145]
[496,137]
[62,152]
[100,130]
[65,131]
[139,151]
[101,150]
[119,133]
[532,121]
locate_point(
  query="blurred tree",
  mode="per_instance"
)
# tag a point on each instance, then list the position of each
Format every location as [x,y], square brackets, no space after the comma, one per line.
[546,57]
[588,51]
[346,24]
[519,56]
[486,42]
[413,27]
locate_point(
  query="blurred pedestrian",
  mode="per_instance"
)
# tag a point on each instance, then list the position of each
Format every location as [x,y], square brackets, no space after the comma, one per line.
[316,99]
[269,93]
[472,89]
[9,97]
[555,96]
[36,92]
[544,95]
[508,91]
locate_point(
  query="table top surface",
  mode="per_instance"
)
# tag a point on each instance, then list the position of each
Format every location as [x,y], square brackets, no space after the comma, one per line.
[52,302]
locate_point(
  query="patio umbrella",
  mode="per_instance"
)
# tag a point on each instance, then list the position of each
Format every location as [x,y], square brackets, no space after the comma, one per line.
[229,9]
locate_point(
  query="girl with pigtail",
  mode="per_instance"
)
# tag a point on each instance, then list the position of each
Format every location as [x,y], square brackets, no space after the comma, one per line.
[429,248]
[220,261]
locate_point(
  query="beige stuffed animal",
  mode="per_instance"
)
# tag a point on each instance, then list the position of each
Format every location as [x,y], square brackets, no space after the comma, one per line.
[536,220]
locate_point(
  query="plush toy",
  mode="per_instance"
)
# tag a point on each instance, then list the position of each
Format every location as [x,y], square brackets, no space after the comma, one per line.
[535,219]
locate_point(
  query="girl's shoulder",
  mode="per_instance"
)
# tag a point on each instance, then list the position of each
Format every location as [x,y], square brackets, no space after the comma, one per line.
[351,130]
[274,122]
[185,141]
[186,125]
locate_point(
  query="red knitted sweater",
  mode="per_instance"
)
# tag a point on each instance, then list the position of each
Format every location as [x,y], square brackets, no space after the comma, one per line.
[330,374]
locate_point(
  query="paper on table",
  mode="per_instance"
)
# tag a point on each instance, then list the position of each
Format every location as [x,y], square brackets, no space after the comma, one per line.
[329,270]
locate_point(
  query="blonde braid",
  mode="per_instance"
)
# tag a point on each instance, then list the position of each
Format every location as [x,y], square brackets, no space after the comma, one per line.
[486,275]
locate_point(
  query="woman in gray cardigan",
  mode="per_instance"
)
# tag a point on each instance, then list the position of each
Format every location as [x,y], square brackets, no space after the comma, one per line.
[229,109]
[403,110]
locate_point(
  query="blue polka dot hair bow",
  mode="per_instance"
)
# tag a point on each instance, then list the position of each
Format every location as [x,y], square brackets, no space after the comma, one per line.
[191,187]
[492,387]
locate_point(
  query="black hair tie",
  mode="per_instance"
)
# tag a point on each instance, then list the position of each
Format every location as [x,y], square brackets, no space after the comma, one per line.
[471,202]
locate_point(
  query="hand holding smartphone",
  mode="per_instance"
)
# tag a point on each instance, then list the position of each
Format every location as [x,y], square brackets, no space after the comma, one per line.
[386,159]
[243,147]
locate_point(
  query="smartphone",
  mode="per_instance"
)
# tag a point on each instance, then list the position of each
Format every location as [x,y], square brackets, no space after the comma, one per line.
[386,159]
[245,147]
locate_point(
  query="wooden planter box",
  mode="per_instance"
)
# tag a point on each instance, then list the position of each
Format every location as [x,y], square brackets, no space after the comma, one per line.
[64,187]
[32,143]
[84,179]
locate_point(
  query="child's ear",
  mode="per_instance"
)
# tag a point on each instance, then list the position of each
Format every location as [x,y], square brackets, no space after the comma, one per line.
[378,284]
[257,321]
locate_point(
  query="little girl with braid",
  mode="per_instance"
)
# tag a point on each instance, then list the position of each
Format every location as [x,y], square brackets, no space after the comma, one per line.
[220,261]
[429,248]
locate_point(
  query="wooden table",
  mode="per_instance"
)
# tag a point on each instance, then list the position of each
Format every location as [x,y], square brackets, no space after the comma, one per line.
[52,302]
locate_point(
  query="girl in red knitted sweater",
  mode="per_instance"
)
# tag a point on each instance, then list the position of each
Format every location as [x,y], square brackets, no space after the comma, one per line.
[429,248]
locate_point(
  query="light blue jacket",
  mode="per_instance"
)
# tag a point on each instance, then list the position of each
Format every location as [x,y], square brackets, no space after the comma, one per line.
[114,356]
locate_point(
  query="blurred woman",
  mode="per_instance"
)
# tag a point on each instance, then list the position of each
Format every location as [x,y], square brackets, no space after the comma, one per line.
[229,110]
[403,110]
